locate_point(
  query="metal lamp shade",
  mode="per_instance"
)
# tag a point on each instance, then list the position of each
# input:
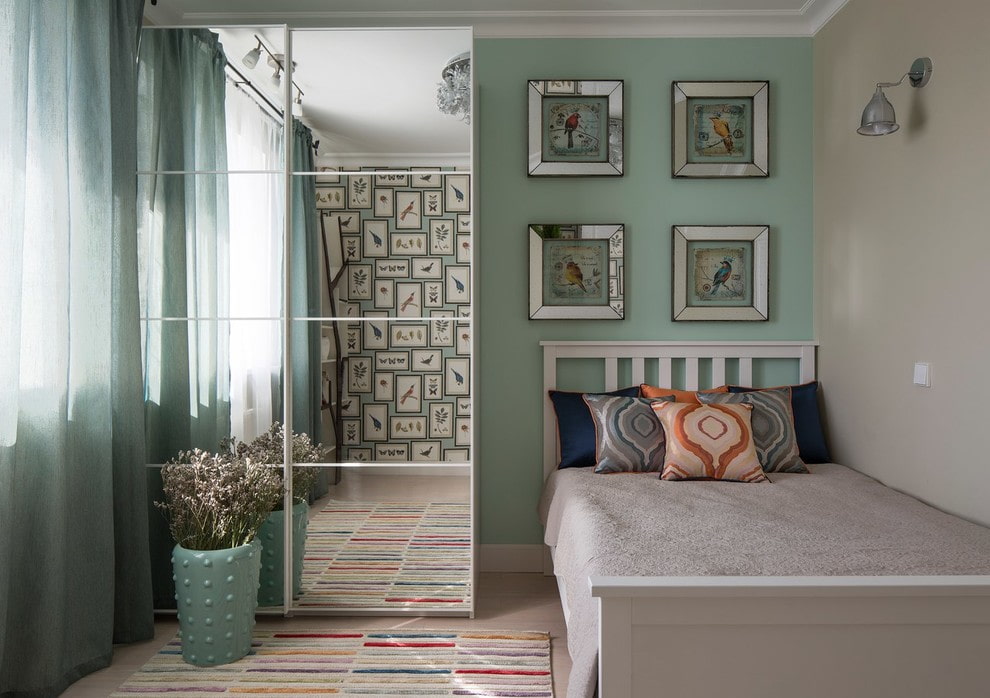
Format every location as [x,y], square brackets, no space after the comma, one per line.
[878,117]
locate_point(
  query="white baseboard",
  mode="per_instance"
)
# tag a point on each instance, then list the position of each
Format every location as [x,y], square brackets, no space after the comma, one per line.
[510,558]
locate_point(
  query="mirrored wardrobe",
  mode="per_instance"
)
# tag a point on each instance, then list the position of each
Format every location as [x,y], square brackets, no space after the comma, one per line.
[306,259]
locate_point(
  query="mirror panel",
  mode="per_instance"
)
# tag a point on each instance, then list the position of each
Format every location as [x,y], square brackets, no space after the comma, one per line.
[401,399]
[201,108]
[391,539]
[210,245]
[204,381]
[370,96]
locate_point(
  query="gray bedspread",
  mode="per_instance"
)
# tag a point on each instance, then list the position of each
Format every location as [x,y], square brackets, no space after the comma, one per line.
[833,521]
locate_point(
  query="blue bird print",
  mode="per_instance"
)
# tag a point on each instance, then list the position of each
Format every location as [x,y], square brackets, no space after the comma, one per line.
[377,331]
[459,284]
[458,377]
[375,422]
[722,275]
[377,240]
[458,193]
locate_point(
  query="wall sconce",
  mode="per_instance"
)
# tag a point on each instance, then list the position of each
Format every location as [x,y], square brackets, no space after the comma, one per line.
[878,117]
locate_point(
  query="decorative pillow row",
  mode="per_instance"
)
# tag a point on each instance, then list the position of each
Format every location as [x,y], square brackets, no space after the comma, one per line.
[576,428]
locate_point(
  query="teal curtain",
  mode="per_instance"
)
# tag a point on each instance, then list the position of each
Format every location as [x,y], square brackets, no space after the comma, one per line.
[304,298]
[73,522]
[184,263]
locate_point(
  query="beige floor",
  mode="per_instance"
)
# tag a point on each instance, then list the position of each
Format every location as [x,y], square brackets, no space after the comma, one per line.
[504,601]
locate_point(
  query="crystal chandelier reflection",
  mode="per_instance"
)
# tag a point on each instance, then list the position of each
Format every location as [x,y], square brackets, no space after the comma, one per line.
[454,93]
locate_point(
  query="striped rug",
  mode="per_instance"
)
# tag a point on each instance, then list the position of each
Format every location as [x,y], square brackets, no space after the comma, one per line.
[388,555]
[373,663]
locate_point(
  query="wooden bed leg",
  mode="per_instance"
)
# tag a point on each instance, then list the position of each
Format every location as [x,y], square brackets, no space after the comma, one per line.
[615,647]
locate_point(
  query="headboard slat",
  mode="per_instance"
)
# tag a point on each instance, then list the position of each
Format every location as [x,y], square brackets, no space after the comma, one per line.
[611,373]
[745,370]
[690,373]
[638,370]
[665,372]
[718,371]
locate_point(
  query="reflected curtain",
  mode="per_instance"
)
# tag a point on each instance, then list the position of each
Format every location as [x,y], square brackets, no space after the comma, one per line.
[183,234]
[257,207]
[73,549]
[305,299]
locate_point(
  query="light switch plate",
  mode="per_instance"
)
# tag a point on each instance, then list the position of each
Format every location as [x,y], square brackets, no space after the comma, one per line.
[922,375]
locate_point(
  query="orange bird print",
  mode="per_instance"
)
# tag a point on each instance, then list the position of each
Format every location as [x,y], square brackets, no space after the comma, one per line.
[721,128]
[574,275]
[408,394]
[407,210]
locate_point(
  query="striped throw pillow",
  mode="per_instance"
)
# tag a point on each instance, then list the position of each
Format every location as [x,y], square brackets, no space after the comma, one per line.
[711,442]
[773,427]
[628,435]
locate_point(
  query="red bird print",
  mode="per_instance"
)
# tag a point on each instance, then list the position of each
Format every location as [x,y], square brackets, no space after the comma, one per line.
[407,210]
[570,126]
[408,394]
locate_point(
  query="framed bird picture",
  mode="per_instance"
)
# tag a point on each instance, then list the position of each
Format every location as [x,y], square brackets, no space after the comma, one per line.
[576,272]
[720,129]
[575,128]
[456,193]
[721,272]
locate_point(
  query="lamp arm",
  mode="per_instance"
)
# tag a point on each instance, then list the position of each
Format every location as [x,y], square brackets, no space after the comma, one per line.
[894,84]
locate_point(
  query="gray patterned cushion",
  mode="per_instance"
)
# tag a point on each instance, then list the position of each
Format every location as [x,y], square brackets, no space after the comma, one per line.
[773,427]
[628,435]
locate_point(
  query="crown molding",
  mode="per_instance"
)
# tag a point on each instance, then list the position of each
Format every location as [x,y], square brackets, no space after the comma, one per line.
[819,12]
[805,21]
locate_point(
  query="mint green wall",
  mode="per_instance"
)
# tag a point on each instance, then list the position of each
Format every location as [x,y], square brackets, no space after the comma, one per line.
[646,199]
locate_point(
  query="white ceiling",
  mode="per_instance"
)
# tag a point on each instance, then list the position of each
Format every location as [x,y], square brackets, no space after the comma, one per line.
[367,94]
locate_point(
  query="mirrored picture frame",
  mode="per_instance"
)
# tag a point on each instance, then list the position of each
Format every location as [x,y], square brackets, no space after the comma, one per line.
[576,272]
[575,128]
[721,272]
[720,129]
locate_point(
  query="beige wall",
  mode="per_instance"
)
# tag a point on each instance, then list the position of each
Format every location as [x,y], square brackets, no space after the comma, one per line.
[902,249]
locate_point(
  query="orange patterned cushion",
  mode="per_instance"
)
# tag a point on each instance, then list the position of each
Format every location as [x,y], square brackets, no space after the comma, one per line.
[713,442]
[651,391]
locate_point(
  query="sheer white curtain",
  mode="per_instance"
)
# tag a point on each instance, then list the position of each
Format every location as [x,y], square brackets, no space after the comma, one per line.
[257,208]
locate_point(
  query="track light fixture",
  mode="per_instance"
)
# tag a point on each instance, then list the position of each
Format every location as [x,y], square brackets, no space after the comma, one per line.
[251,57]
[276,61]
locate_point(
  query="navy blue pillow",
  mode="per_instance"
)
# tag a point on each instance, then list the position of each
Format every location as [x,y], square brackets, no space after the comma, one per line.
[807,421]
[575,428]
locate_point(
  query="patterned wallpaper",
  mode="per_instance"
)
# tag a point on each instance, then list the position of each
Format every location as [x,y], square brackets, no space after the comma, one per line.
[407,241]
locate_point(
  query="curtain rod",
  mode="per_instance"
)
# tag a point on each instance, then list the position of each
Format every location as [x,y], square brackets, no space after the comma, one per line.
[242,80]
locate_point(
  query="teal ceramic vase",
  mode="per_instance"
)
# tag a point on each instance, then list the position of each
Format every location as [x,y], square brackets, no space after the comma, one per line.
[216,593]
[271,591]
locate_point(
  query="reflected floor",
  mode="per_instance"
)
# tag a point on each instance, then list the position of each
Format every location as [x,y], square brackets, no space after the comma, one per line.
[383,541]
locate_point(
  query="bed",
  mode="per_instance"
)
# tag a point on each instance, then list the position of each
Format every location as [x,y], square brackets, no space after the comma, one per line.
[820,584]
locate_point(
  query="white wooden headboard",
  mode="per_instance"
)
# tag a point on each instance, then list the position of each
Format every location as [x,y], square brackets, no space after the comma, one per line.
[664,354]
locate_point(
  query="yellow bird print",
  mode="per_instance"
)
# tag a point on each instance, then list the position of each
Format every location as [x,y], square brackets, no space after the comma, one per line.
[721,128]
[573,274]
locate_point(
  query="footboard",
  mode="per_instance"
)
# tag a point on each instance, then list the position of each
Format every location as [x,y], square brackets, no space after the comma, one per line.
[788,637]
